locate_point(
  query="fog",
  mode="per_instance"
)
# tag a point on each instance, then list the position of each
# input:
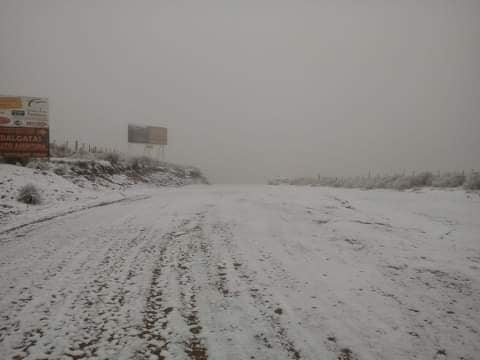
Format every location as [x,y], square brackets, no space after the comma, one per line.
[251,90]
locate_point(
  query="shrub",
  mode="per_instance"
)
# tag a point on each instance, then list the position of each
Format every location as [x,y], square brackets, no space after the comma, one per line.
[111,157]
[449,180]
[39,164]
[61,170]
[29,194]
[403,182]
[396,181]
[194,173]
[82,164]
[23,161]
[60,150]
[140,162]
[422,179]
[84,154]
[473,181]
[135,163]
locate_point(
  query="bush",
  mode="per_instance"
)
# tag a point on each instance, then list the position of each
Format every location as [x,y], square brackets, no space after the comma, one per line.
[140,162]
[60,150]
[29,194]
[396,181]
[450,179]
[61,170]
[39,164]
[23,161]
[194,173]
[111,157]
[473,181]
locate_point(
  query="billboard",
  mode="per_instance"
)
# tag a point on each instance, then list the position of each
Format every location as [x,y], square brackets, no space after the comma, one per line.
[23,142]
[137,134]
[153,135]
[24,128]
[157,135]
[22,111]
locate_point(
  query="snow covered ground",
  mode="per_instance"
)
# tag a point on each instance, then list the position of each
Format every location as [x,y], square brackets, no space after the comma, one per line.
[83,184]
[59,196]
[247,272]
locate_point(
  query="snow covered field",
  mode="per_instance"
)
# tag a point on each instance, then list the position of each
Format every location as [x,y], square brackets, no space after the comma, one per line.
[247,272]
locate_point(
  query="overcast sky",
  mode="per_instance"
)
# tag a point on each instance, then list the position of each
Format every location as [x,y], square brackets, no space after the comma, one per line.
[256,89]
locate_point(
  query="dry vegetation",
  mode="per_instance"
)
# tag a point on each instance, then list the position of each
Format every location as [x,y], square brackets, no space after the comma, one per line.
[470,181]
[29,194]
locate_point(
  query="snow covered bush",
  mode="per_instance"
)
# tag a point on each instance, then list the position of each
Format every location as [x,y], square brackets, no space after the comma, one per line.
[29,194]
[395,181]
[403,182]
[61,170]
[449,179]
[112,157]
[139,162]
[473,181]
[39,164]
[60,150]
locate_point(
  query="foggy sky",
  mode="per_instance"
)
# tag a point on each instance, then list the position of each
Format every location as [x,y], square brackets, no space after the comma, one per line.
[256,89]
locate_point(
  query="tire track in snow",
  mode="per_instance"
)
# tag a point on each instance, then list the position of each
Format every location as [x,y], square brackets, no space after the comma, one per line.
[236,270]
[46,295]
[69,212]
[189,310]
[96,312]
[155,314]
[103,299]
[173,293]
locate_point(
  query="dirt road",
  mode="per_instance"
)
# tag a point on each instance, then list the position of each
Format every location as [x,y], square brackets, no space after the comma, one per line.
[247,272]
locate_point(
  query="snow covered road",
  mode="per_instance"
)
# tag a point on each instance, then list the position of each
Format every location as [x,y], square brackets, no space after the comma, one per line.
[248,272]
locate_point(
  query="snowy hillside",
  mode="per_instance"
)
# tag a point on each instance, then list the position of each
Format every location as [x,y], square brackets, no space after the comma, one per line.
[67,184]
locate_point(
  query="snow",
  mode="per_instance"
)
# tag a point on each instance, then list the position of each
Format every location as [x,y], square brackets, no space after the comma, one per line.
[79,187]
[59,196]
[246,272]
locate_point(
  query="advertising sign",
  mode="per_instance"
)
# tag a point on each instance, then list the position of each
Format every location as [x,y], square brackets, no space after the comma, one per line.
[23,142]
[24,128]
[22,111]
[157,135]
[137,134]
[152,135]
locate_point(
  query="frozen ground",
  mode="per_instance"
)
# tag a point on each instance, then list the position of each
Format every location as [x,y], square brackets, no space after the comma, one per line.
[247,272]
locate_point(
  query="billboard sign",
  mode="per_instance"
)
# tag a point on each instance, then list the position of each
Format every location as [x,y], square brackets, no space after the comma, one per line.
[152,135]
[23,142]
[157,135]
[22,111]
[137,134]
[24,127]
